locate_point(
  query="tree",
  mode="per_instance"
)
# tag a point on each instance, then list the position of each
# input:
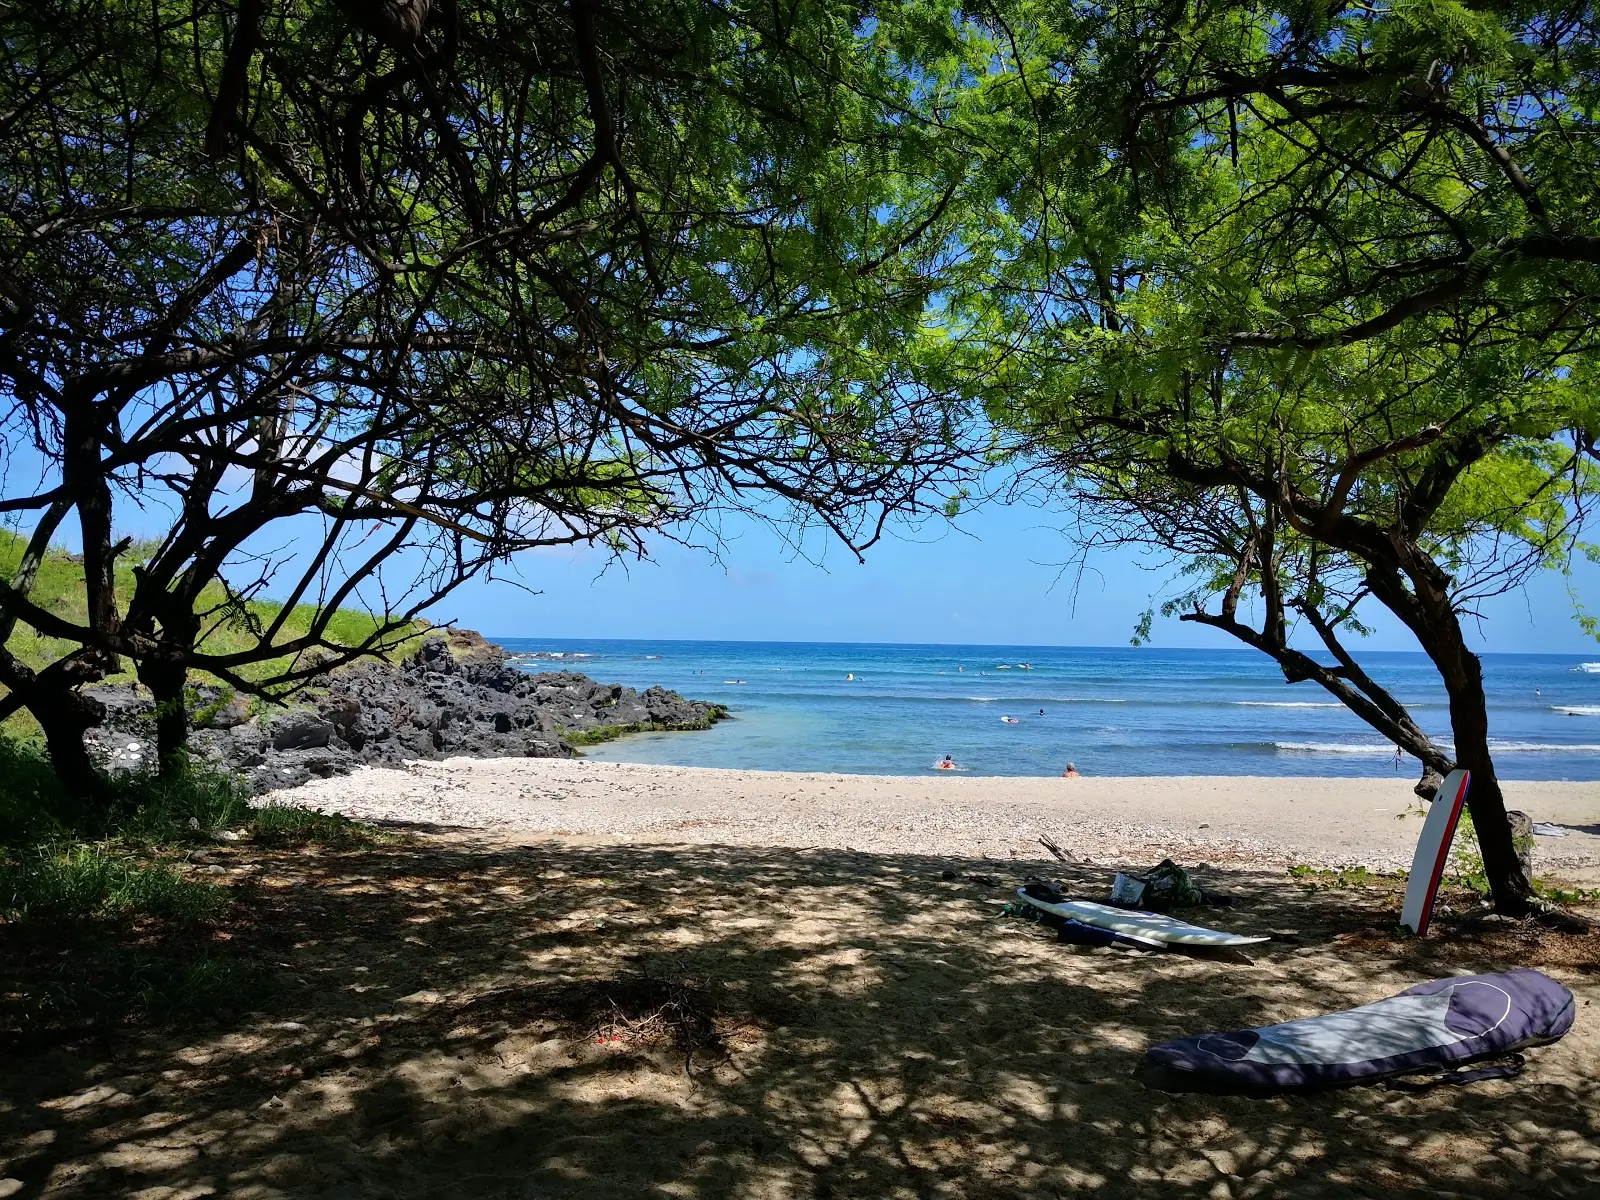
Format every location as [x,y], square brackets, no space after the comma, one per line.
[421,285]
[1307,297]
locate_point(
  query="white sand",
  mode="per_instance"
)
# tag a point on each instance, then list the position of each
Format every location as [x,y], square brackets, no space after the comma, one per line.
[1332,822]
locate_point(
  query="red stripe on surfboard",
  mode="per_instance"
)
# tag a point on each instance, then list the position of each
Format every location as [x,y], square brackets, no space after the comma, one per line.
[1426,918]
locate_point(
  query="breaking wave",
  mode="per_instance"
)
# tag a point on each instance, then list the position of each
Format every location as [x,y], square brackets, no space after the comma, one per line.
[1287,703]
[1334,748]
[1540,748]
[1387,749]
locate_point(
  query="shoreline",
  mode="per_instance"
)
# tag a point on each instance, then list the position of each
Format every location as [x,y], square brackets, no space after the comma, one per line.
[1125,820]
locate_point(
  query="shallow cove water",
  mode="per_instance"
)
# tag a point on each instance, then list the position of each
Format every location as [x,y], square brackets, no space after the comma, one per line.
[898,709]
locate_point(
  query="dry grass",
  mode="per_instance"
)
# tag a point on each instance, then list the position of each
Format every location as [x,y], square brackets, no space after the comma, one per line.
[469,1020]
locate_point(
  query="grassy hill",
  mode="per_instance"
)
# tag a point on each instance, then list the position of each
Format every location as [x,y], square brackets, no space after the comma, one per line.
[59,588]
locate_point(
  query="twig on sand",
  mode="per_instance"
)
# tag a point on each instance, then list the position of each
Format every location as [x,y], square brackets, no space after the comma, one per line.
[1049,844]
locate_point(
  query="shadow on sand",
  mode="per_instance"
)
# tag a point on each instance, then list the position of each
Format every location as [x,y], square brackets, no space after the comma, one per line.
[869,1029]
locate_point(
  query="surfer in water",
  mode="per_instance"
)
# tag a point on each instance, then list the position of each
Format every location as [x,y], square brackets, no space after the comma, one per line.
[949,764]
[1071,772]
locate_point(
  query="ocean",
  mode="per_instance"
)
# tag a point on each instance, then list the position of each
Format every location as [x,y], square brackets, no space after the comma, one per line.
[898,709]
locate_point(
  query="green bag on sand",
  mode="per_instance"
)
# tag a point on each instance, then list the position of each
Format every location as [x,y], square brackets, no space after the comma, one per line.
[1169,886]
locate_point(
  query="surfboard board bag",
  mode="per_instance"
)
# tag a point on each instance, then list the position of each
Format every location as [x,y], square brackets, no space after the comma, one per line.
[1437,1026]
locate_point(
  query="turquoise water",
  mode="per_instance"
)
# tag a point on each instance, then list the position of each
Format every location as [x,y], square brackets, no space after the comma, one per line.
[1112,711]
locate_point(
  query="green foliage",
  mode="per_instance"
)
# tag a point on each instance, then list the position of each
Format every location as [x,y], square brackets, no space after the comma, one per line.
[1236,284]
[1307,304]
[570,274]
[149,813]
[283,825]
[1465,865]
[1566,897]
[59,588]
[95,883]
[1344,877]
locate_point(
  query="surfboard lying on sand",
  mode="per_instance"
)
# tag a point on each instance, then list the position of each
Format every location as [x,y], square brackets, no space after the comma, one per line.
[1435,1026]
[1433,850]
[1154,928]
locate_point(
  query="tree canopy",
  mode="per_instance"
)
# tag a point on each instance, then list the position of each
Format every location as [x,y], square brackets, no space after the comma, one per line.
[1305,296]
[1301,294]
[446,281]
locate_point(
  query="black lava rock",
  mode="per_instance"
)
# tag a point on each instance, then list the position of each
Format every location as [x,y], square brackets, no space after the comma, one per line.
[300,731]
[458,696]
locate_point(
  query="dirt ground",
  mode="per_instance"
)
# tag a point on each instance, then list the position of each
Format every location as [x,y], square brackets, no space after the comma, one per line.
[460,1018]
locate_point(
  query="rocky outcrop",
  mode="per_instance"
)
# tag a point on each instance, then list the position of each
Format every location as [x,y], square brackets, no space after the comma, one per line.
[457,696]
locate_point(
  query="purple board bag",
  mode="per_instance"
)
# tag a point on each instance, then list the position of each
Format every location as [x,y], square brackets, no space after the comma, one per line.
[1434,1026]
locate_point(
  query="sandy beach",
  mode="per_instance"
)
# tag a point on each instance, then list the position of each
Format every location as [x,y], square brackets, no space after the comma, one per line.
[1246,820]
[583,980]
[462,1015]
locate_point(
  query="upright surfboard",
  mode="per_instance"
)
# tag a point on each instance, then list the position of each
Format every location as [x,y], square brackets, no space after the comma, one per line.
[1145,927]
[1433,850]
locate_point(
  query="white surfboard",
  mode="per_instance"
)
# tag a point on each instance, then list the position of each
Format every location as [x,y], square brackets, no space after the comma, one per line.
[1433,850]
[1143,926]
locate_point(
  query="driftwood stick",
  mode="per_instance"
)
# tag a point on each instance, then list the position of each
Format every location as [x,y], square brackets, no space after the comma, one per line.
[1061,855]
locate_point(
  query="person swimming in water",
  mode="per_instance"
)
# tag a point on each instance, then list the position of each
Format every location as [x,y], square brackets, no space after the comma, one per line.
[1071,772]
[949,764]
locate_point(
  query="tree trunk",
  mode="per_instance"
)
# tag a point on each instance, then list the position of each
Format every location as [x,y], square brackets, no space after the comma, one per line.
[53,697]
[1469,720]
[73,766]
[1431,616]
[166,681]
[65,715]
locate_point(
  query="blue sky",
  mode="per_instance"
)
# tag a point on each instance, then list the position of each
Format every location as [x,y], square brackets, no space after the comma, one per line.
[1000,581]
[1002,578]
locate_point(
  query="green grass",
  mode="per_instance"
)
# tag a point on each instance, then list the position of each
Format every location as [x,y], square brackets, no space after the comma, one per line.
[283,825]
[149,812]
[58,588]
[1344,877]
[98,918]
[89,882]
[33,807]
[142,809]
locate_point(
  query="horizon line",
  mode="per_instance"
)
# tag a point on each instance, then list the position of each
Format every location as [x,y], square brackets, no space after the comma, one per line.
[498,638]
